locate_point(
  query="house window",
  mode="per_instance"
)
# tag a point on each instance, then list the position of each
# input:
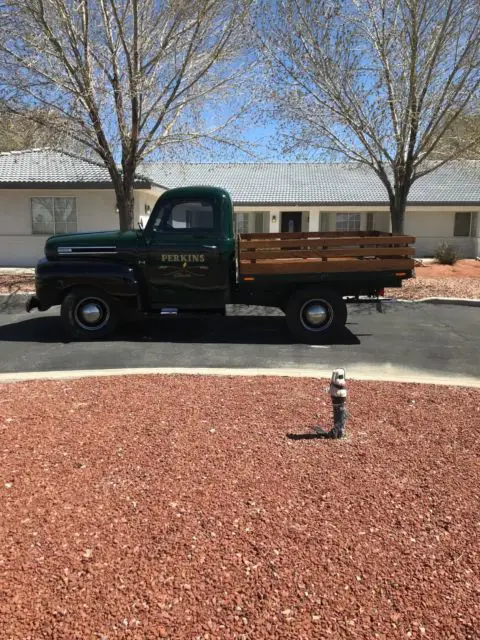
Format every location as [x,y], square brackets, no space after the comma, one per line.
[252,222]
[463,224]
[51,216]
[348,222]
[241,221]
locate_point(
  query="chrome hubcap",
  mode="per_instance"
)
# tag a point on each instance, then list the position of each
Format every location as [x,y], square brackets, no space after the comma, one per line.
[316,315]
[92,314]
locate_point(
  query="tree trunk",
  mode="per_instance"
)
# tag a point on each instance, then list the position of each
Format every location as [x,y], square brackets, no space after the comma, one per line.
[125,206]
[397,216]
[398,205]
[125,197]
[123,184]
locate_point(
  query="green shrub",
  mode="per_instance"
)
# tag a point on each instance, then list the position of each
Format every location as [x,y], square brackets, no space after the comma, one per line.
[446,253]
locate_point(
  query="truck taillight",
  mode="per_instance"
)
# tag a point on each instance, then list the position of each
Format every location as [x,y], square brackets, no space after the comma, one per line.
[381,292]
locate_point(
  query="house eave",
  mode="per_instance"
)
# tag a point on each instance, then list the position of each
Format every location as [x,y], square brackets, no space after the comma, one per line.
[355,203]
[139,184]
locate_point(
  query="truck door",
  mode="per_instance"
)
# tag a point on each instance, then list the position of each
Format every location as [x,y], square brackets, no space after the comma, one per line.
[185,267]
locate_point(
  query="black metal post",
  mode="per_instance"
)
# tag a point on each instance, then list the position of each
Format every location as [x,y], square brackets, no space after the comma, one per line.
[338,393]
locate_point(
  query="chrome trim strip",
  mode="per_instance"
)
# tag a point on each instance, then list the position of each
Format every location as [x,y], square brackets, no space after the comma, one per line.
[90,253]
[85,251]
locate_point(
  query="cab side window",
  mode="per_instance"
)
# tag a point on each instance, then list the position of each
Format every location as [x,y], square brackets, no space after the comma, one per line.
[185,217]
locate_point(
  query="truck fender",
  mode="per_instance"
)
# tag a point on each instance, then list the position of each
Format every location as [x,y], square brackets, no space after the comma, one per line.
[55,278]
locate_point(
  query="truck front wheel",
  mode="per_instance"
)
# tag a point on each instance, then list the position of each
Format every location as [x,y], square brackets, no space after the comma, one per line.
[314,315]
[89,313]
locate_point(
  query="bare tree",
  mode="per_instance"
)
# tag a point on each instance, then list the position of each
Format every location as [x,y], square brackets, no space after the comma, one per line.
[378,82]
[125,78]
[457,140]
[13,136]
[32,129]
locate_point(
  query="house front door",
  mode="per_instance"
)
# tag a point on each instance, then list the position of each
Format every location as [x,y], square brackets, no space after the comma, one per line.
[291,222]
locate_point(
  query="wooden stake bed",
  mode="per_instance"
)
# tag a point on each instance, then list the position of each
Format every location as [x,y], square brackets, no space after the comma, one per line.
[290,253]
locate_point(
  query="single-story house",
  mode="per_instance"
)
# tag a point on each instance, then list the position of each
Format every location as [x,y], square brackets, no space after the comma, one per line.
[43,191]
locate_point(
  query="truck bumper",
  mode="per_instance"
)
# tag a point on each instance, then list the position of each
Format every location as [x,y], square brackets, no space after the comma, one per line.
[34,303]
[31,303]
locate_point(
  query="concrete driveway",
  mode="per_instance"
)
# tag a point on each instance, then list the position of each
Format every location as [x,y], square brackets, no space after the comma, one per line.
[416,337]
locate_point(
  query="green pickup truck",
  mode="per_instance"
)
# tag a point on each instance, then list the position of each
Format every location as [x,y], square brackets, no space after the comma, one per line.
[188,260]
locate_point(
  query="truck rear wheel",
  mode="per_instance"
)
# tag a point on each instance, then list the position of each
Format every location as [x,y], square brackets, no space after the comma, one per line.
[313,315]
[88,314]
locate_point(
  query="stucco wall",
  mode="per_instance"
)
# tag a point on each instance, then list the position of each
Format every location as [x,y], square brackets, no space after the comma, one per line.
[434,227]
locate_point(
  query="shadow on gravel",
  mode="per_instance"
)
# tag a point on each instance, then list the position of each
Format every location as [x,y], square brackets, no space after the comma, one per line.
[305,436]
[228,330]
[326,435]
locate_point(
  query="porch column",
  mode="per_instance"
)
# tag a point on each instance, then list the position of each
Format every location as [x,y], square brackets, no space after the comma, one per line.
[314,221]
[274,222]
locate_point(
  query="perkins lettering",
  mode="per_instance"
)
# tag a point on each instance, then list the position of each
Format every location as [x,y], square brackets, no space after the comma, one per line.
[183,257]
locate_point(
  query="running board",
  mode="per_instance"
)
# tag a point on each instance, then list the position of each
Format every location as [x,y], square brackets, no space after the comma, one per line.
[173,312]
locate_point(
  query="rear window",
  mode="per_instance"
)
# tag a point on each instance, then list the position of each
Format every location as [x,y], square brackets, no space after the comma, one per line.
[185,217]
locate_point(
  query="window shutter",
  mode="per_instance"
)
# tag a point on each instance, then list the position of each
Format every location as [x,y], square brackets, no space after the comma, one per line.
[324,222]
[462,224]
[259,222]
[369,222]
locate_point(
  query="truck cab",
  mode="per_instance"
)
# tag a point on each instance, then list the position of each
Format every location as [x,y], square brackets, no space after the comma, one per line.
[187,253]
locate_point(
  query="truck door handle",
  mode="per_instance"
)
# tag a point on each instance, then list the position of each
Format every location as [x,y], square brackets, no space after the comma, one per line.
[209,246]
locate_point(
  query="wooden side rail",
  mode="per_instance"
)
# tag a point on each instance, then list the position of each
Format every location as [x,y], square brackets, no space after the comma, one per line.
[346,252]
[285,253]
[281,243]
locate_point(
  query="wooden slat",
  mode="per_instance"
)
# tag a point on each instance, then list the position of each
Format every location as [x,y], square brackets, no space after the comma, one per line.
[326,242]
[270,254]
[317,266]
[312,234]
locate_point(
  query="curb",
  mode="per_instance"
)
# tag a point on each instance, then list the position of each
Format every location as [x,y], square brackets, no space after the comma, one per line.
[465,302]
[386,373]
[461,302]
[13,300]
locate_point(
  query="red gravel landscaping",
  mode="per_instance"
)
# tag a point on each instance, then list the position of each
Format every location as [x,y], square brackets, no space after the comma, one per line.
[461,280]
[418,288]
[16,283]
[177,507]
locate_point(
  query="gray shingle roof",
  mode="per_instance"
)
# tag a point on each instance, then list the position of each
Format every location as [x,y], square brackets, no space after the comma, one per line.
[251,183]
[312,183]
[50,167]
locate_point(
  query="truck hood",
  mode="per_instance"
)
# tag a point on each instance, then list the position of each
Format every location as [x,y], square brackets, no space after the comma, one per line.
[95,243]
